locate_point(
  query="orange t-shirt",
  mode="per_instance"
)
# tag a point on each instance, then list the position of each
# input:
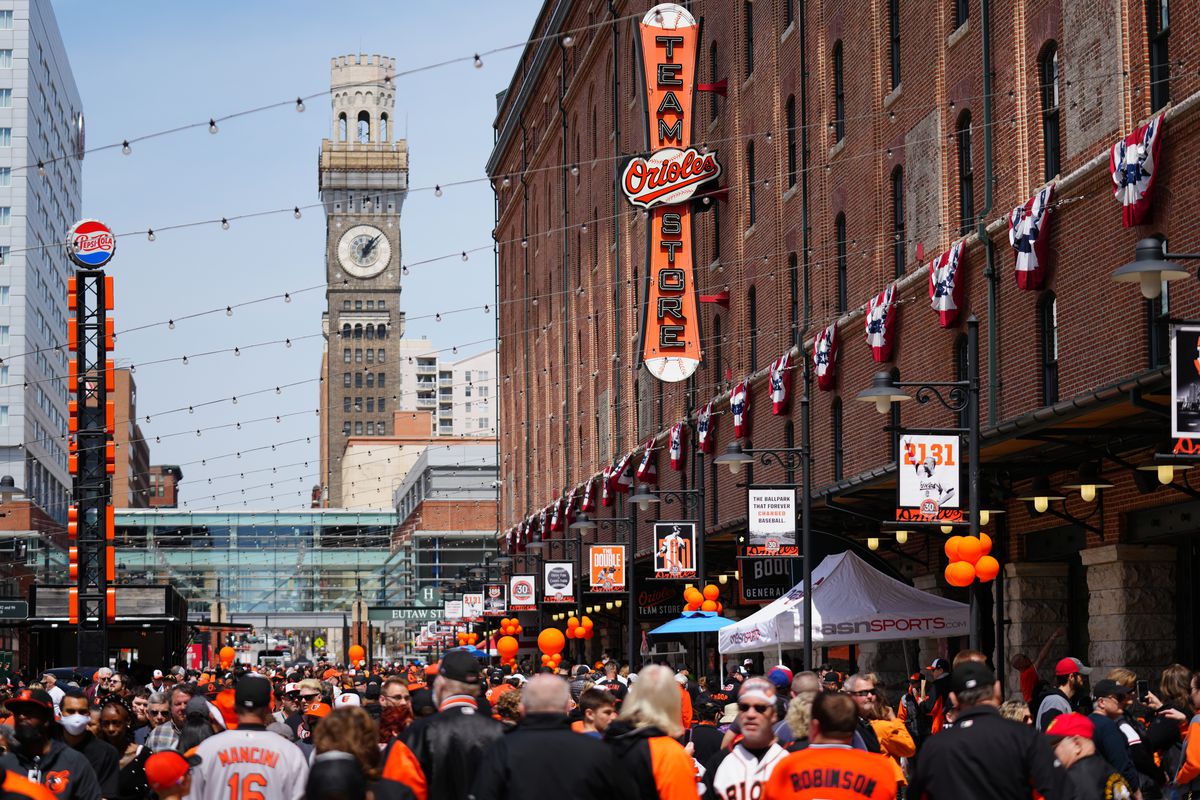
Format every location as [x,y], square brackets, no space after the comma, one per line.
[1029,680]
[832,772]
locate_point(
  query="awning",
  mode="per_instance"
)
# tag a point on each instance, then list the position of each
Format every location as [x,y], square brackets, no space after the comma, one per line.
[693,622]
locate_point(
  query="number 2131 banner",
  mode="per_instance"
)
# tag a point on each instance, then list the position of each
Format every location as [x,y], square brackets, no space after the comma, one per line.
[930,472]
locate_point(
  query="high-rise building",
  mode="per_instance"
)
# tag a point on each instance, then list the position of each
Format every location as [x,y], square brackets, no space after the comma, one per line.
[473,411]
[41,121]
[363,179]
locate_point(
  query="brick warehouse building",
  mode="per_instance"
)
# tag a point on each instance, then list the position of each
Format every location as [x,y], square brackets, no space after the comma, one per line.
[856,146]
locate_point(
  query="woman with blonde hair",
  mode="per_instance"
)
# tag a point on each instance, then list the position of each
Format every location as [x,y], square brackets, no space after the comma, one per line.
[643,738]
[350,729]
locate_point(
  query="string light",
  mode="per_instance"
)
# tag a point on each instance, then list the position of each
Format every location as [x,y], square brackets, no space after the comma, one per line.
[229,311]
[41,168]
[478,62]
[300,104]
[568,40]
[296,212]
[212,126]
[150,235]
[224,224]
[125,148]
[437,191]
[465,257]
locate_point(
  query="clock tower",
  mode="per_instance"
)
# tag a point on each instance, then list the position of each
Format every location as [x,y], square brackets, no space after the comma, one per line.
[363,180]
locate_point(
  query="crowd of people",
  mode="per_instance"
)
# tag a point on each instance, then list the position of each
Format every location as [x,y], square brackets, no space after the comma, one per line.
[458,729]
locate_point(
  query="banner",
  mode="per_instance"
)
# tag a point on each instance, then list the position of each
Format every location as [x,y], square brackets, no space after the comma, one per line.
[764,579]
[655,598]
[472,607]
[495,603]
[929,478]
[559,582]
[771,521]
[1185,381]
[663,183]
[606,567]
[674,550]
[452,609]
[522,592]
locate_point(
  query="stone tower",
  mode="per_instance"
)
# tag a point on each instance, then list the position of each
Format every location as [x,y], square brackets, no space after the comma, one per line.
[363,179]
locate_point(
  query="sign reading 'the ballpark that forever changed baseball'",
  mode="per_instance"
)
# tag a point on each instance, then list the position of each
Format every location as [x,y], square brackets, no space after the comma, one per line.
[929,478]
[771,515]
[663,183]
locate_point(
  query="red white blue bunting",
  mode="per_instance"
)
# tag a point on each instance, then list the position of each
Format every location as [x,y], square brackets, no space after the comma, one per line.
[825,351]
[706,426]
[881,323]
[780,376]
[588,503]
[675,446]
[1029,235]
[946,280]
[1133,162]
[739,406]
[647,471]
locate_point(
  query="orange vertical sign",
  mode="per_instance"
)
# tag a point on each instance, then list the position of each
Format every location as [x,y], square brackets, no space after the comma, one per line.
[606,567]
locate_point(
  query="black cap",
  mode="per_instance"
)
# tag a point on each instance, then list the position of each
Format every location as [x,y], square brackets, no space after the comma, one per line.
[335,777]
[252,691]
[459,665]
[373,690]
[1109,688]
[31,697]
[971,675]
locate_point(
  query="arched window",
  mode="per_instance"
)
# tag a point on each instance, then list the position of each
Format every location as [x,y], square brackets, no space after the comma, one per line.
[790,115]
[894,40]
[370,331]
[898,244]
[752,319]
[364,127]
[346,330]
[839,226]
[712,78]
[1158,20]
[381,331]
[341,127]
[716,229]
[1048,314]
[358,331]
[966,174]
[748,13]
[595,146]
[836,415]
[839,94]
[383,127]
[751,184]
[1051,137]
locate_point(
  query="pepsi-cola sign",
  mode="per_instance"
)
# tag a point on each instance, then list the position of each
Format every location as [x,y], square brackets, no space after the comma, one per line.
[91,244]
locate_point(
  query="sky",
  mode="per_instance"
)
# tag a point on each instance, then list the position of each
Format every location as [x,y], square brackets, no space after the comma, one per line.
[144,66]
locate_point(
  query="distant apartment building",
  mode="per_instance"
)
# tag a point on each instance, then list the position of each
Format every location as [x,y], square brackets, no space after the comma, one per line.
[130,481]
[163,481]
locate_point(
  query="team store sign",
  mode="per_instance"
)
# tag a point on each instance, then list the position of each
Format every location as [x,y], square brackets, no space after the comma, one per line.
[663,183]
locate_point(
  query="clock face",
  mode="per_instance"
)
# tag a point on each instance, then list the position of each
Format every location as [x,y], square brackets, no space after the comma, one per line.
[364,251]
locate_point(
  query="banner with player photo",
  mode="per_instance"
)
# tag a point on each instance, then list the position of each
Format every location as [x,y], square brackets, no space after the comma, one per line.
[1185,381]
[674,550]
[473,606]
[771,522]
[522,593]
[930,478]
[606,567]
[558,582]
[495,602]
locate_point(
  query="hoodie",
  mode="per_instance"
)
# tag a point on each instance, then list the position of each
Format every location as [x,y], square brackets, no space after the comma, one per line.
[62,770]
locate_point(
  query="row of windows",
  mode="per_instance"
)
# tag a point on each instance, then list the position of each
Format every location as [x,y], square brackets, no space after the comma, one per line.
[356,404]
[358,305]
[356,380]
[373,356]
[372,428]
[364,331]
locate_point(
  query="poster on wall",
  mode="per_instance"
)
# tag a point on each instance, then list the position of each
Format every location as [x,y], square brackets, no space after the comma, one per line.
[472,606]
[522,593]
[930,472]
[495,602]
[1185,382]
[606,567]
[559,582]
[674,550]
[771,522]
[452,609]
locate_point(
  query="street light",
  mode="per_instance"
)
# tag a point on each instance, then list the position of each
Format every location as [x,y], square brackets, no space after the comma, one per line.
[1040,494]
[1088,483]
[1151,268]
[883,393]
[734,457]
[583,523]
[1164,468]
[643,497]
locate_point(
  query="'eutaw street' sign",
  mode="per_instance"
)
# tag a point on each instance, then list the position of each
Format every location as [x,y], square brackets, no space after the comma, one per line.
[409,613]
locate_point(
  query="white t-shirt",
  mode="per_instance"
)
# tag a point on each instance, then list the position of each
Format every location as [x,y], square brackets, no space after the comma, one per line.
[249,765]
[56,694]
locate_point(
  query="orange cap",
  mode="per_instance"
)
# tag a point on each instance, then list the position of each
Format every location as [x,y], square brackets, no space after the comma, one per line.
[317,710]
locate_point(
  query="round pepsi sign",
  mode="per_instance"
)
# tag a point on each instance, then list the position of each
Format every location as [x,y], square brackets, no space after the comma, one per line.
[91,244]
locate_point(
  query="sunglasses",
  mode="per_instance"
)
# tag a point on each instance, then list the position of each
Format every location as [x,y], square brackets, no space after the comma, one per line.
[862,693]
[309,698]
[158,713]
[761,708]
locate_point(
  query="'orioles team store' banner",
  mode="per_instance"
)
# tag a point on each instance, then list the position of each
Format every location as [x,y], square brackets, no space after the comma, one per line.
[663,183]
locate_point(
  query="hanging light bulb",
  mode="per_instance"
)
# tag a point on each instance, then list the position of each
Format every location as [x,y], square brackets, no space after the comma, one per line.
[404,270]
[191,410]
[185,361]
[872,543]
[236,352]
[465,257]
[212,126]
[171,324]
[947,529]
[1041,503]
[150,235]
[300,105]
[506,182]
[437,191]
[901,537]
[278,390]
[229,311]
[234,400]
[574,169]
[296,212]
[287,297]
[1166,473]
[583,227]
[41,169]
[486,309]
[985,516]
[524,242]
[224,224]
[287,342]
[478,62]
[437,317]
[568,40]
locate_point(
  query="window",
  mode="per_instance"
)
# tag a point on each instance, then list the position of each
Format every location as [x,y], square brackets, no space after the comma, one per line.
[6,20]
[6,59]
[370,356]
[790,116]
[370,305]
[381,404]
[379,356]
[483,391]
[4,295]
[748,13]
[961,13]
[5,137]
[899,246]
[5,98]
[364,127]
[894,39]
[1049,330]
[1158,20]
[839,95]
[752,317]
[383,127]
[712,78]
[751,205]
[467,376]
[345,405]
[371,405]
[1051,138]
[966,174]
[346,356]
[794,294]
[836,412]
[358,355]
[789,13]
[4,375]
[358,429]
[346,428]
[5,176]
[381,427]
[381,304]
[467,406]
[370,380]
[381,380]
[342,136]
[370,428]
[717,342]
[839,226]
[358,382]
[358,305]
[346,379]
[467,392]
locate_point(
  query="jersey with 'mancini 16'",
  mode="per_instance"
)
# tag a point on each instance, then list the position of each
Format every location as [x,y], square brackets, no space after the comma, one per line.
[249,763]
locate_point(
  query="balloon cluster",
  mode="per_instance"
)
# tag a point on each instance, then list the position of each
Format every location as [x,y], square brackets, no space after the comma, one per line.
[465,639]
[357,654]
[511,627]
[969,560]
[579,628]
[507,647]
[227,654]
[707,600]
[551,642]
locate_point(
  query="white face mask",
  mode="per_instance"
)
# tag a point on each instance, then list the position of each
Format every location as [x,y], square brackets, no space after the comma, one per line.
[76,724]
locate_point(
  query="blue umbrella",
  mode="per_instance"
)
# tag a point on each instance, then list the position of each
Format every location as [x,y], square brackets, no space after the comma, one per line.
[693,622]
[475,651]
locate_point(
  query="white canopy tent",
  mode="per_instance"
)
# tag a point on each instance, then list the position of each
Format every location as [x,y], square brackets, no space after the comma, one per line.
[852,603]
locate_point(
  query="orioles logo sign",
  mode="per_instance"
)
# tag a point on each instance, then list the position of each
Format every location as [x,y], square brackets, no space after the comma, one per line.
[663,183]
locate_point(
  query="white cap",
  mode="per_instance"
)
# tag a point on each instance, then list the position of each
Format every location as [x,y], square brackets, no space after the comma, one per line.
[157,674]
[347,699]
[681,679]
[288,688]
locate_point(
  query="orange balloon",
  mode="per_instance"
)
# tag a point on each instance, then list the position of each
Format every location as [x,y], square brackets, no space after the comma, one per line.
[708,605]
[227,654]
[507,647]
[551,641]
[960,574]
[711,592]
[986,542]
[987,568]
[951,547]
[720,607]
[586,622]
[572,623]
[969,549]
[693,595]
[556,659]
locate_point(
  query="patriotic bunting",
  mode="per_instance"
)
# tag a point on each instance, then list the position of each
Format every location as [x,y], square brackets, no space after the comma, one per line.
[624,475]
[881,322]
[781,383]
[739,405]
[606,481]
[589,503]
[825,351]
[675,446]
[945,284]
[1132,163]
[647,471]
[543,528]
[1029,235]
[705,428]
[568,510]
[522,536]
[556,515]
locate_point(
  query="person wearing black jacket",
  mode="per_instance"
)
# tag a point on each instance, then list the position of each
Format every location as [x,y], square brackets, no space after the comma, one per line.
[1089,777]
[37,754]
[76,716]
[543,757]
[984,756]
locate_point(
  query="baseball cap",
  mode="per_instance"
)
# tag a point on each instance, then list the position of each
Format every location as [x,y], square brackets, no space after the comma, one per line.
[252,691]
[288,688]
[459,665]
[373,690]
[1109,688]
[939,663]
[1073,724]
[780,676]
[168,768]
[156,674]
[1069,665]
[914,678]
[347,699]
[971,675]
[30,697]
[317,710]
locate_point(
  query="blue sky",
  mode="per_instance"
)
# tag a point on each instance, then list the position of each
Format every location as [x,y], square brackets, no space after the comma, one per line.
[145,66]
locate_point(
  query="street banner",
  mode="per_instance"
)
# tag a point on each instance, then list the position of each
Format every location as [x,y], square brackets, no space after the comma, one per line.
[472,606]
[930,467]
[522,593]
[495,602]
[452,609]
[771,521]
[559,586]
[674,550]
[1185,381]
[663,183]
[656,599]
[409,613]
[606,567]
[764,579]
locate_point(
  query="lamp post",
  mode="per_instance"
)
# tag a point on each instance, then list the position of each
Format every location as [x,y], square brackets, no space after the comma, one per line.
[618,525]
[959,396]
[1151,266]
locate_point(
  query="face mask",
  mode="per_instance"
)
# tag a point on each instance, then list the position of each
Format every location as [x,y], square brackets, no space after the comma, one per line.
[75,724]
